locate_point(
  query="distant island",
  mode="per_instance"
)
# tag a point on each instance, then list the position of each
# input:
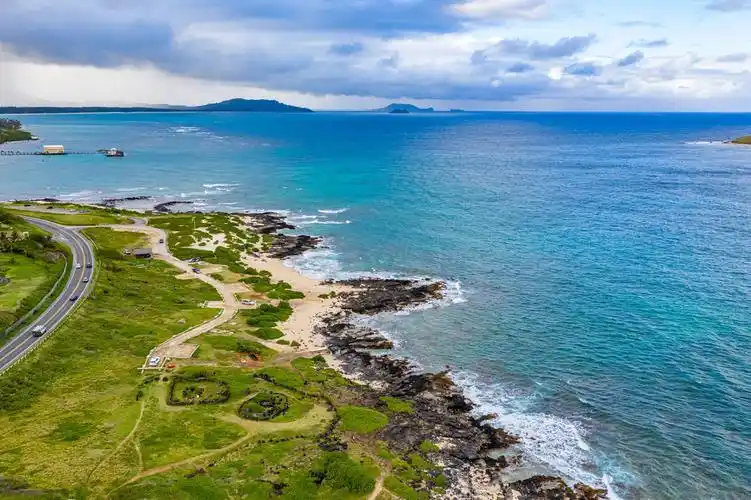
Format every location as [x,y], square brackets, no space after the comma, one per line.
[399,112]
[402,109]
[12,130]
[247,105]
[746,140]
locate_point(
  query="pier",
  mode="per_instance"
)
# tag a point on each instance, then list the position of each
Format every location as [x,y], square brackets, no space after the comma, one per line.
[40,153]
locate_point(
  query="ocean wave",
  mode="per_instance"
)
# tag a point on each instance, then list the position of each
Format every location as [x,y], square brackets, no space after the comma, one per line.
[129,190]
[206,192]
[219,185]
[324,222]
[549,440]
[333,211]
[705,143]
[184,130]
[80,195]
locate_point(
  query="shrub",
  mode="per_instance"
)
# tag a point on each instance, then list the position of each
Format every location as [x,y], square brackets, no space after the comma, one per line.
[340,472]
[397,405]
[361,420]
[429,447]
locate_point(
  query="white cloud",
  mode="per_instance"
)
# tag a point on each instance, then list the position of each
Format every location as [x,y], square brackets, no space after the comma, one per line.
[502,9]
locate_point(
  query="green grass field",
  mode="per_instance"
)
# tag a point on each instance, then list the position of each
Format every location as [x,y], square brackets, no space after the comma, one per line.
[30,265]
[26,275]
[78,419]
[94,218]
[85,374]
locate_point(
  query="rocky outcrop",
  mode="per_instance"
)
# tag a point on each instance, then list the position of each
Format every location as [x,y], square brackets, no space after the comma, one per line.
[442,413]
[112,202]
[387,295]
[266,222]
[165,207]
[285,245]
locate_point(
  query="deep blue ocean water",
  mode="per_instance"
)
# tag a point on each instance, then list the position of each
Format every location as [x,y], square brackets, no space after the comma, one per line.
[599,264]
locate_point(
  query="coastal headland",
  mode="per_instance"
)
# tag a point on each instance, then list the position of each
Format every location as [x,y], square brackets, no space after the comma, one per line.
[202,366]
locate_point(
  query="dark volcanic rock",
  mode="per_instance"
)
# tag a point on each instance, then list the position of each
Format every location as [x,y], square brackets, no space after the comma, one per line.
[285,245]
[266,222]
[377,295]
[165,207]
[553,488]
[112,202]
[442,413]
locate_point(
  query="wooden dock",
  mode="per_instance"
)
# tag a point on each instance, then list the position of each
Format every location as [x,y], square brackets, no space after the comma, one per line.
[39,153]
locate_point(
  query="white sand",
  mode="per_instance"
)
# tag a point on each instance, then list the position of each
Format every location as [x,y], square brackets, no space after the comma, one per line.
[299,328]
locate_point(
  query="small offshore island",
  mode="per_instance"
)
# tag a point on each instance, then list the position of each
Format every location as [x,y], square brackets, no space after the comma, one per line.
[201,366]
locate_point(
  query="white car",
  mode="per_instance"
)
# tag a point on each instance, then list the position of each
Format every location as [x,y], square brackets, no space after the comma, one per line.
[39,330]
[155,361]
[78,266]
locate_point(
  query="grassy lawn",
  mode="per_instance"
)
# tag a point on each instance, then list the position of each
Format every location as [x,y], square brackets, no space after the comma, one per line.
[94,218]
[69,404]
[78,420]
[30,265]
[362,420]
[26,276]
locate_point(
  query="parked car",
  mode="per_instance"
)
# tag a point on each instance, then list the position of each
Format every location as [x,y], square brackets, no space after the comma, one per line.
[154,361]
[196,270]
[161,240]
[39,330]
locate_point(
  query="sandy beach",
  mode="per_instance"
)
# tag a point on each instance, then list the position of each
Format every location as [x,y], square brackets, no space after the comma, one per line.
[301,325]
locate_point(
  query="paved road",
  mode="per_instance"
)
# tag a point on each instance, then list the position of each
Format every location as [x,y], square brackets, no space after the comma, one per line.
[83,254]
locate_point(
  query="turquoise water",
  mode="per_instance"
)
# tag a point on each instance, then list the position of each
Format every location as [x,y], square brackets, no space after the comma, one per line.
[599,264]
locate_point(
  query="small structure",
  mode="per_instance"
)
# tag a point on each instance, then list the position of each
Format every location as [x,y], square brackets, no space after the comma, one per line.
[57,149]
[142,253]
[114,153]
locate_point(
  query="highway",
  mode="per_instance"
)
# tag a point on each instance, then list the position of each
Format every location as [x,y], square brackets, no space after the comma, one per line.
[83,254]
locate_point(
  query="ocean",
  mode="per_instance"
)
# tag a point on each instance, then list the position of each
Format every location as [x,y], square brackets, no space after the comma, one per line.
[599,265]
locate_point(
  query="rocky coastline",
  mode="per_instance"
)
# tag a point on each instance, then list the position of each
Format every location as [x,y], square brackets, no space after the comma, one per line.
[442,413]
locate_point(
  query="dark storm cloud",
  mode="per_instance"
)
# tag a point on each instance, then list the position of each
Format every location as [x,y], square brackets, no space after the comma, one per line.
[631,59]
[113,33]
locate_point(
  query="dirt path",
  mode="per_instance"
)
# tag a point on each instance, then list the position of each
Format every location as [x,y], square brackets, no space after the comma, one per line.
[123,442]
[229,304]
[378,488]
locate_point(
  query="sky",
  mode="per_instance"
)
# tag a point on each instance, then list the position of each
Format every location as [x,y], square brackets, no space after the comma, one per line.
[527,55]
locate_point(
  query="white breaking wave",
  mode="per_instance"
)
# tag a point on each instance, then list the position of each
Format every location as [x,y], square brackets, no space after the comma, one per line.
[129,190]
[324,222]
[333,211]
[82,195]
[184,130]
[219,185]
[549,440]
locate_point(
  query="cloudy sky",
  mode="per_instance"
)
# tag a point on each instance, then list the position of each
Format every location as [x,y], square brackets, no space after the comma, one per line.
[356,54]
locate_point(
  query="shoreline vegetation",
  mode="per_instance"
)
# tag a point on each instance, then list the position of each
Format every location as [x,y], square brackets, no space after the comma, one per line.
[12,131]
[745,140]
[282,394]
